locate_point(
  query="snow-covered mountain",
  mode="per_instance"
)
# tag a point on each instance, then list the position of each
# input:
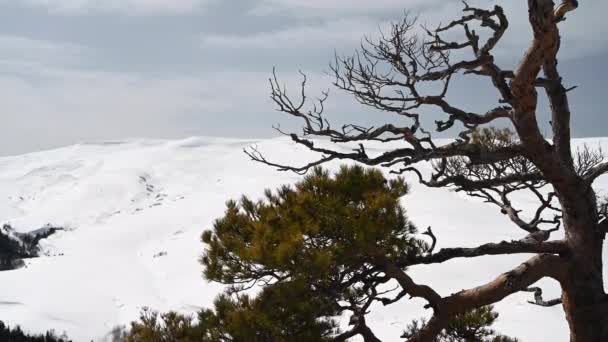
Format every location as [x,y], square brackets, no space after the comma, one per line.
[134,211]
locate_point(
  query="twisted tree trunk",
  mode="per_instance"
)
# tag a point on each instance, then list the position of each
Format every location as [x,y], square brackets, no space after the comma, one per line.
[584,298]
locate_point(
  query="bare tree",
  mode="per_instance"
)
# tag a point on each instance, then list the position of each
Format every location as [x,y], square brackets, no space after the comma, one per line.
[393,74]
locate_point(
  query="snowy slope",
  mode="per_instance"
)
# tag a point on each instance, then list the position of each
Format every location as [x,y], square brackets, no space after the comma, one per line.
[135,211]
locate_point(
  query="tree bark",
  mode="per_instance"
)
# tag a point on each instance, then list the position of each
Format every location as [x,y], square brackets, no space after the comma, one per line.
[584,298]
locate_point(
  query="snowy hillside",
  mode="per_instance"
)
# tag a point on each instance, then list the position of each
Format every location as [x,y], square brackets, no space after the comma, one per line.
[135,210]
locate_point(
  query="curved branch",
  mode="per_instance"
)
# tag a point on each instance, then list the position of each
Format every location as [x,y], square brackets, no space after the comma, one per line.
[595,172]
[556,92]
[429,232]
[538,298]
[501,248]
[541,52]
[466,184]
[407,283]
[518,279]
[405,156]
[361,329]
[560,109]
[532,226]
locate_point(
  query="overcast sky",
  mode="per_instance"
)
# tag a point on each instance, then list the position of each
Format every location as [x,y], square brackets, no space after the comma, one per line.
[92,70]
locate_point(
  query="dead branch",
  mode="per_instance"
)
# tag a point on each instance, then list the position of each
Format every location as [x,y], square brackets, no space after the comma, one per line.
[389,74]
[504,247]
[595,172]
[538,298]
[407,284]
[429,232]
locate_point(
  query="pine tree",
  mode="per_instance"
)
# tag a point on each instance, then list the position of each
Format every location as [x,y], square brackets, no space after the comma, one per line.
[472,326]
[16,334]
[301,258]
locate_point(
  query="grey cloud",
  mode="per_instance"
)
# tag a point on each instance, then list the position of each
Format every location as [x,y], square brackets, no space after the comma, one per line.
[61,106]
[141,7]
[305,45]
[23,50]
[340,8]
[97,73]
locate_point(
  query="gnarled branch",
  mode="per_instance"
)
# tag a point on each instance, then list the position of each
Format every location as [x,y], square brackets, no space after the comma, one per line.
[595,172]
[407,283]
[538,298]
[501,248]
[518,279]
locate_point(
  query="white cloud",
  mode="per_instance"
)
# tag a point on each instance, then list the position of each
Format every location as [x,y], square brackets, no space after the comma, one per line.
[139,7]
